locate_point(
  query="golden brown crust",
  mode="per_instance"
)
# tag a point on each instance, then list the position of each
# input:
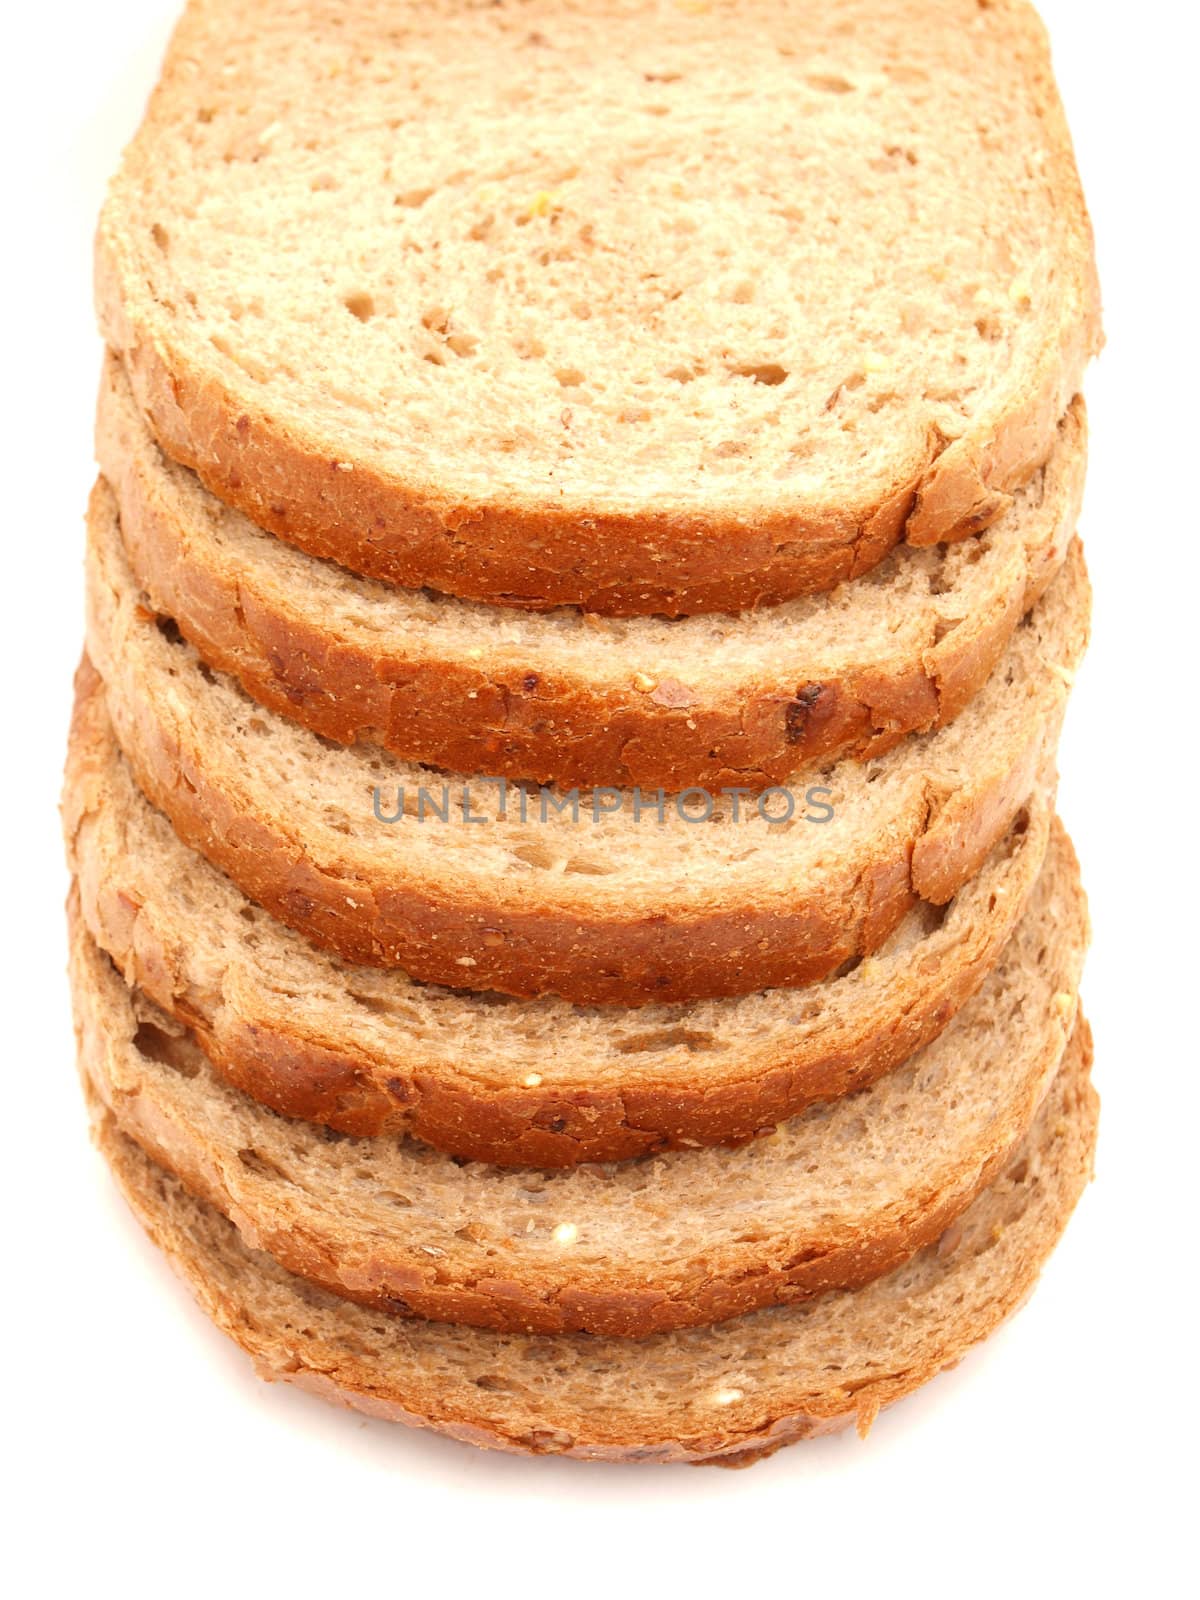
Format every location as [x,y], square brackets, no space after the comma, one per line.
[527,719]
[276,1053]
[526,1292]
[338,1374]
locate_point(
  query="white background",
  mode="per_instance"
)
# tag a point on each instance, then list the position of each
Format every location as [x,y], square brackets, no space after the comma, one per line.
[148,1458]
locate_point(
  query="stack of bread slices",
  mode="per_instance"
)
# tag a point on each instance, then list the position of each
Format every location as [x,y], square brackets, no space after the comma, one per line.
[570,938]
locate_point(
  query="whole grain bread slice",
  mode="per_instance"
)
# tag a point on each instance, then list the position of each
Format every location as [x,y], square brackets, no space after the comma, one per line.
[670,313]
[536,1081]
[577,698]
[831,1199]
[728,1394]
[599,902]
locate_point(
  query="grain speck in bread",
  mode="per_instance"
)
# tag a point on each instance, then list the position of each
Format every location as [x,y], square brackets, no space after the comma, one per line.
[831,1199]
[570,696]
[728,1394]
[664,308]
[537,1082]
[605,908]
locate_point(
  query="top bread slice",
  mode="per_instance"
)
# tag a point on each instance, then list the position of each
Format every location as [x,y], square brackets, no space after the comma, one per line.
[666,308]
[573,697]
[729,1394]
[600,898]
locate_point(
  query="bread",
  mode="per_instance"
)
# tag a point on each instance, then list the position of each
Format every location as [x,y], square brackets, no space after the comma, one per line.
[613,907]
[730,1394]
[575,698]
[537,1082]
[669,310]
[831,1199]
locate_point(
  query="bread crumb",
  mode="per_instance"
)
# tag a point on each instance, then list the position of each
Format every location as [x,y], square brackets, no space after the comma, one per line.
[543,203]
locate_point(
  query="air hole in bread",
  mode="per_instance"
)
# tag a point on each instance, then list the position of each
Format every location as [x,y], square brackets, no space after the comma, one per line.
[535,855]
[254,1161]
[586,867]
[528,346]
[691,1039]
[169,629]
[156,1045]
[769,373]
[829,83]
[360,304]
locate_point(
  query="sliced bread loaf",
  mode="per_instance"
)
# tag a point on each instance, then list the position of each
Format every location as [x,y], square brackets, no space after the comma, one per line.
[599,901]
[831,1199]
[535,1081]
[664,310]
[576,698]
[727,1394]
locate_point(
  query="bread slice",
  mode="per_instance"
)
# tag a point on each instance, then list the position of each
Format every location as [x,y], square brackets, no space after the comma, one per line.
[599,906]
[581,699]
[538,1081]
[673,311]
[830,1199]
[728,1394]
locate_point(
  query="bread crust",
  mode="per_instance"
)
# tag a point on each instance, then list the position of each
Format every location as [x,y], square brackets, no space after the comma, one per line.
[1049,1176]
[569,938]
[281,1055]
[547,551]
[511,1288]
[526,717]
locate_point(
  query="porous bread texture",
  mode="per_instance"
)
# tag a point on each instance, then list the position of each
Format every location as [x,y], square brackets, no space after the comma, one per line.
[573,697]
[648,308]
[830,1199]
[535,1081]
[730,1394]
[609,908]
